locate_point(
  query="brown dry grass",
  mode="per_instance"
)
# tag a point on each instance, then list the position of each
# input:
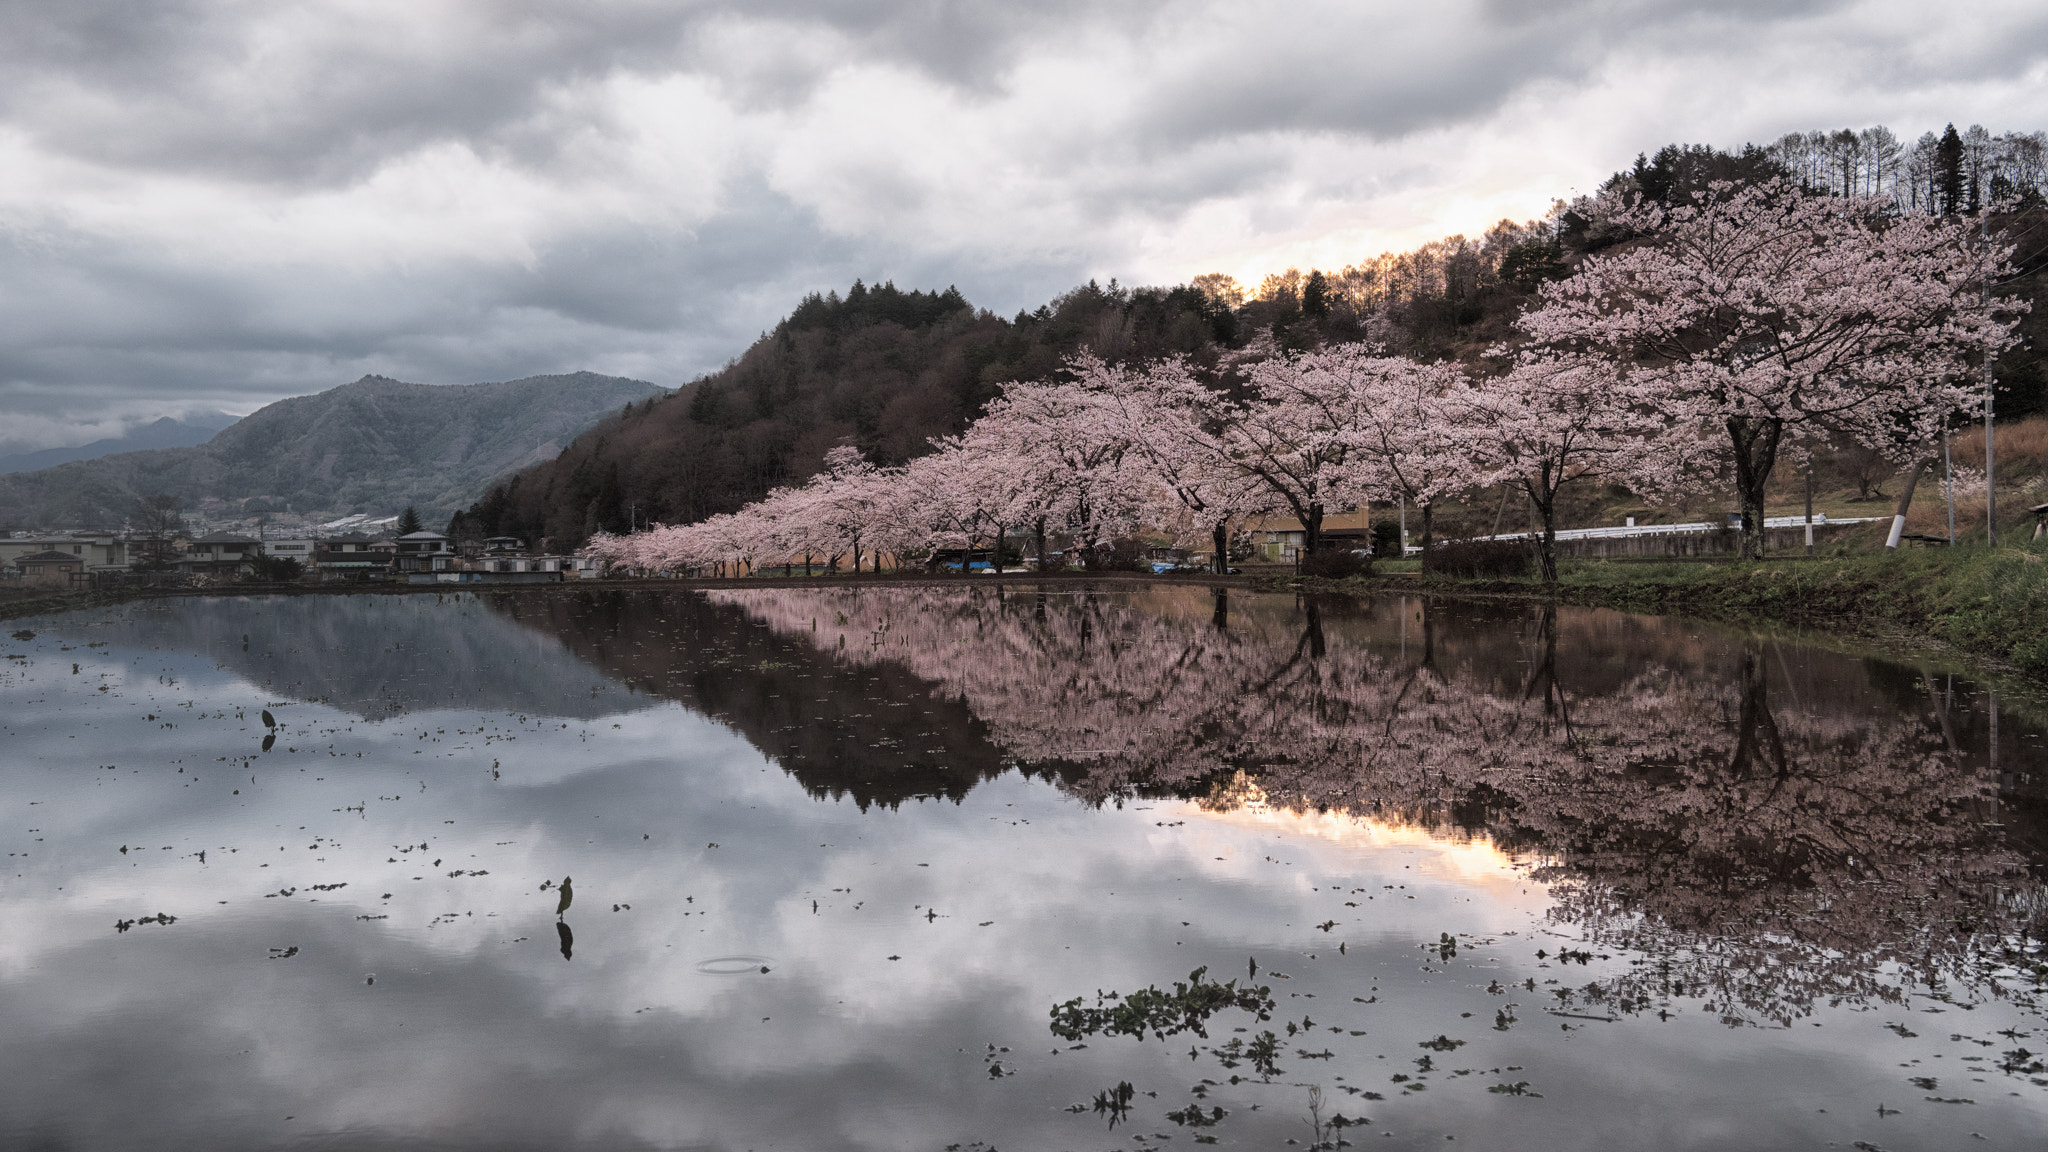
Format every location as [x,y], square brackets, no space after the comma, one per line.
[2022,448]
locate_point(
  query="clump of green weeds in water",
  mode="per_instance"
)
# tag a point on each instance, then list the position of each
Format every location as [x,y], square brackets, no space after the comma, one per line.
[1185,1009]
[1115,1102]
[1263,1053]
[1189,1006]
[1192,1116]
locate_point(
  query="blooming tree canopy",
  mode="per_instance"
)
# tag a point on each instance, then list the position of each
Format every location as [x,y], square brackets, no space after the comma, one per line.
[1553,421]
[1768,311]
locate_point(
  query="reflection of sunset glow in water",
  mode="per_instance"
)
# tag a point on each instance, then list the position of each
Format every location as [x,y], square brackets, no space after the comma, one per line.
[1466,860]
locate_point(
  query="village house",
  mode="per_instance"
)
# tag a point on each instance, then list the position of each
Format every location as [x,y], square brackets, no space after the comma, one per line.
[352,556]
[1282,538]
[222,554]
[52,569]
[423,552]
[100,551]
[510,569]
[298,548]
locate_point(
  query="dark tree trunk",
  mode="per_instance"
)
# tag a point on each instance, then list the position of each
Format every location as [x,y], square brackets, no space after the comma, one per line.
[1312,530]
[1545,505]
[1429,634]
[1759,748]
[1038,539]
[1219,535]
[1428,532]
[1755,439]
[1313,628]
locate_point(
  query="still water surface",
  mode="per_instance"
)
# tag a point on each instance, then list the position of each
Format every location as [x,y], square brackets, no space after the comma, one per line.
[894,868]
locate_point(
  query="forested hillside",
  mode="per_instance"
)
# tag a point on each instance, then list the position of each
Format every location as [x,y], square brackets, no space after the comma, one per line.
[882,368]
[886,370]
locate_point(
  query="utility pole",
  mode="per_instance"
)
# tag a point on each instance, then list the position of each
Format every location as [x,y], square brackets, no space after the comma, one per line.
[1948,472]
[1809,509]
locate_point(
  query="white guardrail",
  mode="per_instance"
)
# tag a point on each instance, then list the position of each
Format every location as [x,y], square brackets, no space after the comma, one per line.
[1680,529]
[1628,530]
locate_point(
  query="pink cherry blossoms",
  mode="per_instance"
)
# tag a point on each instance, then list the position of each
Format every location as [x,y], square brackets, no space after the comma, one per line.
[1725,333]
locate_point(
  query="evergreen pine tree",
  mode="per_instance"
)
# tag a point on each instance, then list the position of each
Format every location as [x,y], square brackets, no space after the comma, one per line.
[1948,171]
[408,521]
[1315,294]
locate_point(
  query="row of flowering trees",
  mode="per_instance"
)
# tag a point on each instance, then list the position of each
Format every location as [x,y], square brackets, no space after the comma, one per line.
[1731,333]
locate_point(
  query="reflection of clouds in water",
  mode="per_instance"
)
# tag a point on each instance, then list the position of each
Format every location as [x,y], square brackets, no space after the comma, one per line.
[861,1038]
[372,655]
[476,1033]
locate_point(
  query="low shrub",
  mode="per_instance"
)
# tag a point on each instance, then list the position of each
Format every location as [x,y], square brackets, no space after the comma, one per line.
[1336,564]
[1124,555]
[1386,540]
[276,568]
[1480,559]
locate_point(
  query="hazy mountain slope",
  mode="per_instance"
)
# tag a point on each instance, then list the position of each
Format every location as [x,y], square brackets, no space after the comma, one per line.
[374,445]
[164,433]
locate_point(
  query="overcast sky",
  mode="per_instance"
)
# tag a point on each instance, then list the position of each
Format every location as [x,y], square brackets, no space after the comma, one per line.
[218,203]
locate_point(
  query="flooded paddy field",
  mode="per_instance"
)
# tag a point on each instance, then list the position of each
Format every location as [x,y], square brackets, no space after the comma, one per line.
[970,868]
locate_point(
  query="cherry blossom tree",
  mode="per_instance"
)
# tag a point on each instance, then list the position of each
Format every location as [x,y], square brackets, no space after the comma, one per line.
[850,498]
[1059,441]
[1769,312]
[1294,432]
[958,496]
[1554,421]
[1165,421]
[1288,438]
[1409,424]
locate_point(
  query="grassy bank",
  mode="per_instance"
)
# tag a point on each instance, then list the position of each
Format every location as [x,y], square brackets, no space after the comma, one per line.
[18,602]
[1990,603]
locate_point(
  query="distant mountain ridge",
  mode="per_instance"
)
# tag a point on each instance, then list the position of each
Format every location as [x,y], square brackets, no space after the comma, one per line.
[375,444]
[167,432]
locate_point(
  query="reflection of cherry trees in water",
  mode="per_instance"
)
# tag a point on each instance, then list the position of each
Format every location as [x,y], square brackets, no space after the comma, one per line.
[1771,858]
[1761,852]
[841,729]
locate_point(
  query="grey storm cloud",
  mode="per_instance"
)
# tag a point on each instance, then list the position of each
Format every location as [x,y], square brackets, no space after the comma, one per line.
[194,86]
[208,204]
